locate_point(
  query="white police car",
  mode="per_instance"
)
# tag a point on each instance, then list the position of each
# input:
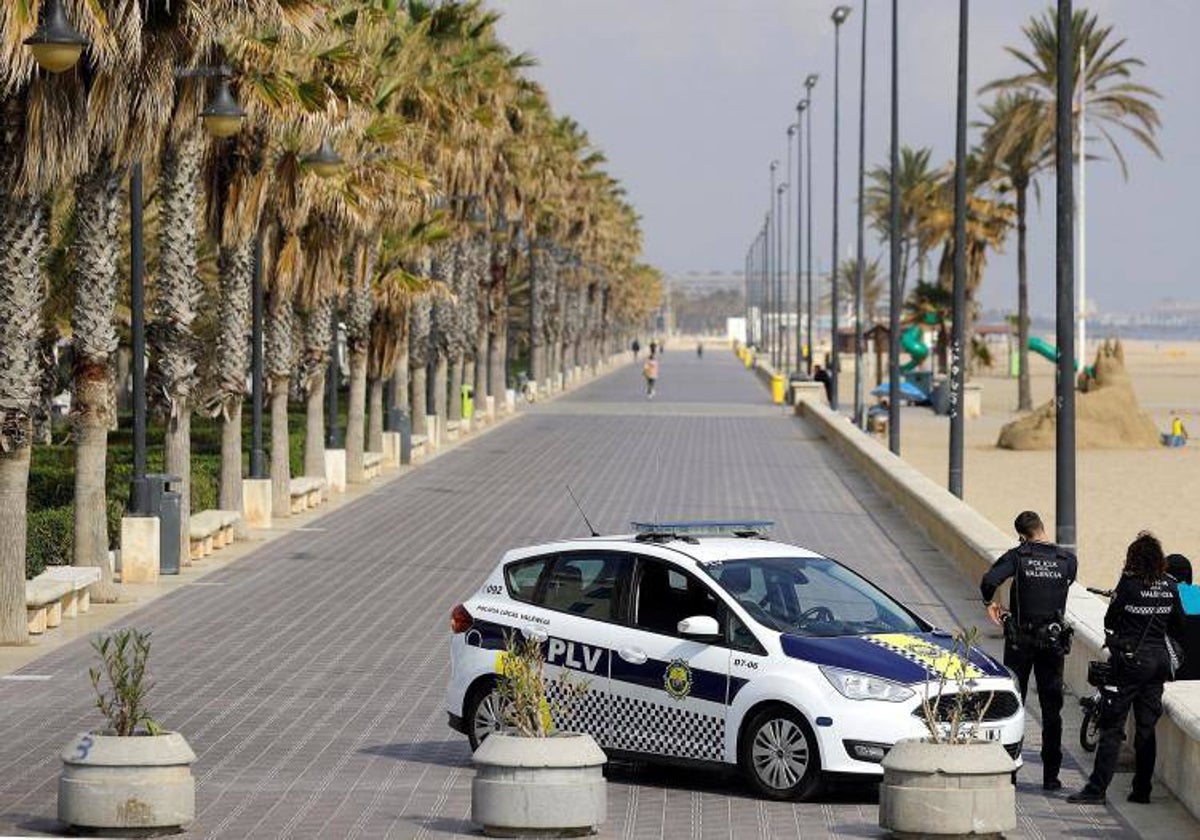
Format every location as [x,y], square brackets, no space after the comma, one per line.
[725,649]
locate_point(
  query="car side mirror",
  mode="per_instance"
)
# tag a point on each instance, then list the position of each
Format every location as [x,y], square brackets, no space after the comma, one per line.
[699,625]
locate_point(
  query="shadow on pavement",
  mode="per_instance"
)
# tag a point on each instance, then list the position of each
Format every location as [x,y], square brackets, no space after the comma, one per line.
[729,783]
[448,753]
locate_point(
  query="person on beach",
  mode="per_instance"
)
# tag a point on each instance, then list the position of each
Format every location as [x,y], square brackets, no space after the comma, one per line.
[1144,611]
[636,347]
[1180,568]
[1036,635]
[650,371]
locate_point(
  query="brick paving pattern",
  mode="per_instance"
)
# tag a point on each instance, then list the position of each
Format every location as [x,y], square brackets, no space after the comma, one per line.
[308,677]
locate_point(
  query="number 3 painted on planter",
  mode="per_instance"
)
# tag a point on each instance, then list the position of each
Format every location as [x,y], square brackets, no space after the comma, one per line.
[83,747]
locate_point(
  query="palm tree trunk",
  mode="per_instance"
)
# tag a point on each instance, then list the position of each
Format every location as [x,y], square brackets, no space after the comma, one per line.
[419,408]
[14,482]
[481,362]
[280,356]
[91,450]
[356,416]
[177,461]
[375,415]
[94,339]
[456,381]
[440,373]
[233,363]
[281,470]
[1024,392]
[177,289]
[314,436]
[229,488]
[400,377]
[22,244]
[497,355]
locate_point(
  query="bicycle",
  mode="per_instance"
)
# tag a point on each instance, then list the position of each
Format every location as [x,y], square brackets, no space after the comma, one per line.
[1089,728]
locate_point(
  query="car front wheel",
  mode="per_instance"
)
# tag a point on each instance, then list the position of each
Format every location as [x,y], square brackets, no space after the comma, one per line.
[485,714]
[778,754]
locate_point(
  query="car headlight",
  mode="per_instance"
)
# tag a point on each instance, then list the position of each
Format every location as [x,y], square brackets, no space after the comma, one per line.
[856,686]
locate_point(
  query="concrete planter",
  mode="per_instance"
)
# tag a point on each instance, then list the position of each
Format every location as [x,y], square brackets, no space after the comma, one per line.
[552,787]
[947,790]
[138,783]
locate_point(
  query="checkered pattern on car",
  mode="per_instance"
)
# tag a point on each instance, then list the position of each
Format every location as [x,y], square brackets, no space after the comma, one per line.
[660,729]
[573,712]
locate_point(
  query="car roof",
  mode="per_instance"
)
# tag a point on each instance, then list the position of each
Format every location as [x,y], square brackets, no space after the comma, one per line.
[700,549]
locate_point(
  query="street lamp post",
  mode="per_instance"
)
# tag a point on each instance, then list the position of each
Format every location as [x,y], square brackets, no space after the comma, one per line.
[958,337]
[839,16]
[772,303]
[787,263]
[894,252]
[258,459]
[860,413]
[778,361]
[1064,461]
[801,107]
[809,83]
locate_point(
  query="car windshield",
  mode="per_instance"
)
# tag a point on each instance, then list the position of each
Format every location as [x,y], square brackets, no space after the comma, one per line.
[811,597]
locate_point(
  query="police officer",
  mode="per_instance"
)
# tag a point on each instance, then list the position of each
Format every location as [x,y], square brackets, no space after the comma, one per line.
[1145,609]
[1036,638]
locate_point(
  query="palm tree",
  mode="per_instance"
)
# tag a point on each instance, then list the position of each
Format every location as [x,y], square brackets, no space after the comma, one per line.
[1018,142]
[1114,101]
[917,182]
[933,305]
[874,291]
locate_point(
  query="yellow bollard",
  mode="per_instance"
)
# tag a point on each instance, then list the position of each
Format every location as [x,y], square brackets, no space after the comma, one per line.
[748,359]
[777,388]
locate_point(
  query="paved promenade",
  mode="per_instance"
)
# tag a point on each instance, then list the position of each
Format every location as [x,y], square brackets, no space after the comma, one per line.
[308,677]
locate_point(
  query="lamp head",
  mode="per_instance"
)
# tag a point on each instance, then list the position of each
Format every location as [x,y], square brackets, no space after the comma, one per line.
[325,161]
[802,106]
[811,81]
[792,130]
[774,165]
[840,14]
[223,116]
[56,44]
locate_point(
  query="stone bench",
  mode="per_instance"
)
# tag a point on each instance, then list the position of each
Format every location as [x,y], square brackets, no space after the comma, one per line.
[420,447]
[79,599]
[372,464]
[210,530]
[43,603]
[306,492]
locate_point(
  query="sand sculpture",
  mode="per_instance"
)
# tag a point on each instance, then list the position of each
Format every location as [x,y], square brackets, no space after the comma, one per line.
[1107,414]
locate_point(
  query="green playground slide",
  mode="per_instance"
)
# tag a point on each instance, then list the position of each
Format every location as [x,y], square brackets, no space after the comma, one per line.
[912,343]
[1047,350]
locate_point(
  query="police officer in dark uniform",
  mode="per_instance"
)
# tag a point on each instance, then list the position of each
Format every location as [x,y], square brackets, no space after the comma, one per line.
[1144,611]
[1036,637]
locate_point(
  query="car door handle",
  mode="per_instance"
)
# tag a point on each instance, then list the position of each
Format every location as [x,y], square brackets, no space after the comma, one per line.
[535,633]
[634,656]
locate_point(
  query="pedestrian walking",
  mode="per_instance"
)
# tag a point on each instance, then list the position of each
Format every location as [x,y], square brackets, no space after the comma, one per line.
[1142,616]
[636,347]
[650,371]
[699,349]
[1037,637]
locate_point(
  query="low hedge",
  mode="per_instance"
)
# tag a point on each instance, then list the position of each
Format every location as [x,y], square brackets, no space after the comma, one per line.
[51,493]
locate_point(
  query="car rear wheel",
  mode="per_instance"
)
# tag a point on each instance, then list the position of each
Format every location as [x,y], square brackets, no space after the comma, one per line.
[484,714]
[778,754]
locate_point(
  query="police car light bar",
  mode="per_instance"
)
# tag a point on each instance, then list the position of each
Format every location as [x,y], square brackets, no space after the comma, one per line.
[702,527]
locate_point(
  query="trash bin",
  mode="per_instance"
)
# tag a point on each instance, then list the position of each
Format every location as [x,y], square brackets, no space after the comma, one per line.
[165,504]
[777,392]
[468,402]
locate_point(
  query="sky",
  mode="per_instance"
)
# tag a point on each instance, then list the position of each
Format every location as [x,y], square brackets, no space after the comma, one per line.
[690,101]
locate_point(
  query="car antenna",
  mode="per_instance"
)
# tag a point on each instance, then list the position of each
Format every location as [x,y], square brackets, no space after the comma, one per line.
[581,513]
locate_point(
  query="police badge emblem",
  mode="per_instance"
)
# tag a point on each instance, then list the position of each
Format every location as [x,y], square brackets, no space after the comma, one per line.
[677,679]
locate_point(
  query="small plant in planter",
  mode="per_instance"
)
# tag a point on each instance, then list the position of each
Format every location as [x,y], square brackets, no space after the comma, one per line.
[131,775]
[952,783]
[531,777]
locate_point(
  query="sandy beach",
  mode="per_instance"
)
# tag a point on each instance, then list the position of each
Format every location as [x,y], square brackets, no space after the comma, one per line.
[1118,492]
